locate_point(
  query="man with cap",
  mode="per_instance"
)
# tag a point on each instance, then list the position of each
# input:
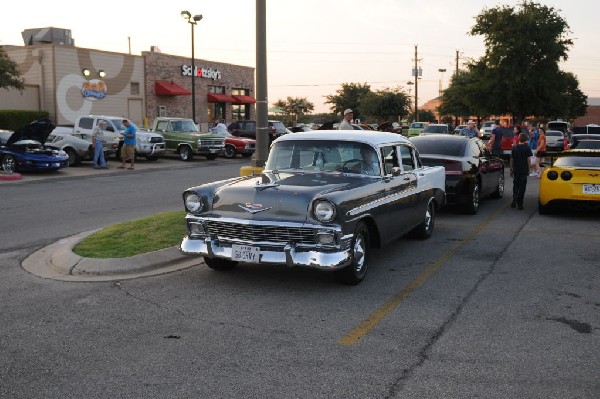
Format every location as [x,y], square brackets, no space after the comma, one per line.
[348,116]
[470,130]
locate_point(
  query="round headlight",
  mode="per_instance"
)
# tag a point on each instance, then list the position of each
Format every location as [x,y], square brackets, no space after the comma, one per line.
[193,202]
[324,211]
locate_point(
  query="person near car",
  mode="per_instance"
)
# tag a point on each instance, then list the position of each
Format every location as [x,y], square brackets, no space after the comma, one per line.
[98,141]
[470,130]
[220,126]
[540,151]
[516,132]
[533,139]
[128,149]
[346,122]
[519,170]
[234,128]
[495,143]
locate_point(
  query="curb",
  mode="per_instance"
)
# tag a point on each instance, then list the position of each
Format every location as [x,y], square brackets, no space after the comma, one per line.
[57,261]
[10,176]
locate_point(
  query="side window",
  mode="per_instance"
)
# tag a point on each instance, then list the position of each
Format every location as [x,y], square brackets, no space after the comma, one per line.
[390,159]
[86,123]
[407,158]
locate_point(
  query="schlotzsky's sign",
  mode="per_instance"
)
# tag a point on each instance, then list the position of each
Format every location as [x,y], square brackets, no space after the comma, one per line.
[208,73]
[93,90]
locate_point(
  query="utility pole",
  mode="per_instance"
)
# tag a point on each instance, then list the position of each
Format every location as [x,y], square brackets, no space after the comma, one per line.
[416,73]
[456,62]
[262,109]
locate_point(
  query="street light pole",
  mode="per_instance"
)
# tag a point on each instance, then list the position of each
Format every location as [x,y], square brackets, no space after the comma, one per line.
[441,70]
[192,21]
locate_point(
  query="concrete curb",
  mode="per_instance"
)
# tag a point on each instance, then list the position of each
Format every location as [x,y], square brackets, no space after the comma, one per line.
[58,262]
[10,176]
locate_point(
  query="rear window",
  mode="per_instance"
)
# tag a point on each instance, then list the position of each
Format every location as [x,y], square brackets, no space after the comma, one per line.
[582,162]
[554,133]
[455,148]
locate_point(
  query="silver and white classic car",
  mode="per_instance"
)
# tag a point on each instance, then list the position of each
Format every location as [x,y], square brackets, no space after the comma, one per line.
[324,199]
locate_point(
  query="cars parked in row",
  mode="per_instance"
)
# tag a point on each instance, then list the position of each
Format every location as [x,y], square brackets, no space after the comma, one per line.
[572,181]
[25,149]
[472,172]
[323,201]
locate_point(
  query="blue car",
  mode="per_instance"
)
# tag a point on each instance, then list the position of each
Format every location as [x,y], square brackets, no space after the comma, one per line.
[25,149]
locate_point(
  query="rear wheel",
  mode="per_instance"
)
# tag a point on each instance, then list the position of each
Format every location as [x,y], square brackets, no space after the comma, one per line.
[9,163]
[425,229]
[220,264]
[499,193]
[356,271]
[472,206]
[185,153]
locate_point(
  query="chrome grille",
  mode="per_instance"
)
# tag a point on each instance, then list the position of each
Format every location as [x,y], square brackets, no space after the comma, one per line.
[261,233]
[156,139]
[212,143]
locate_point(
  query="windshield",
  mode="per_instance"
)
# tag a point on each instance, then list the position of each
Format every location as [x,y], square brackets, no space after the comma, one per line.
[119,124]
[323,156]
[435,129]
[580,162]
[416,125]
[183,126]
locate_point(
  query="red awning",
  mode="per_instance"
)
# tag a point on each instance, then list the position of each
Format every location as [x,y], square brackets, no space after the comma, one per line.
[244,100]
[220,98]
[164,88]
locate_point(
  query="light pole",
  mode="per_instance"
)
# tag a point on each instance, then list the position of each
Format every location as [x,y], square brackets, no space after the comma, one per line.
[192,21]
[441,70]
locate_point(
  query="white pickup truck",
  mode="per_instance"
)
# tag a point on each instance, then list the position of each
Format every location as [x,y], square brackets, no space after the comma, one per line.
[148,144]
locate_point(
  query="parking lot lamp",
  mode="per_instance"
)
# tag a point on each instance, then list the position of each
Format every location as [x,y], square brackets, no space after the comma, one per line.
[192,21]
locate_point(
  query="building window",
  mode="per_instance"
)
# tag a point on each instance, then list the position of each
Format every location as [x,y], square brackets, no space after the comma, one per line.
[240,112]
[216,89]
[135,88]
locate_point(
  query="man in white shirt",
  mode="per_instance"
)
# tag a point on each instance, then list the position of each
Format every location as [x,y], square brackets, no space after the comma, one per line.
[348,116]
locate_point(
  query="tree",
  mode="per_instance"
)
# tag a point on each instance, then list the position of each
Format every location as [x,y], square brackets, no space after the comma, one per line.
[519,73]
[295,106]
[348,96]
[9,73]
[385,104]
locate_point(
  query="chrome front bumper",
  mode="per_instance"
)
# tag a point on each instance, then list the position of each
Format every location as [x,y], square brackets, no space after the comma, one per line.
[290,255]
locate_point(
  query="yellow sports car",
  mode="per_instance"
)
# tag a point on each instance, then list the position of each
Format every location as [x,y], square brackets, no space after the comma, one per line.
[572,181]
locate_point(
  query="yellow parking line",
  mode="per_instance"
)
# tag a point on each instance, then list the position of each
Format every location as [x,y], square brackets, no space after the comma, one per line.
[367,325]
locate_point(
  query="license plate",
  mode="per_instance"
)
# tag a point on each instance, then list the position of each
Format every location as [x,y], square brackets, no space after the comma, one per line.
[591,189]
[245,253]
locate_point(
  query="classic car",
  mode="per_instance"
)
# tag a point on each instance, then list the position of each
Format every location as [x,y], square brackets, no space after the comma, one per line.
[438,128]
[472,172]
[76,148]
[572,181]
[317,204]
[416,128]
[25,149]
[236,145]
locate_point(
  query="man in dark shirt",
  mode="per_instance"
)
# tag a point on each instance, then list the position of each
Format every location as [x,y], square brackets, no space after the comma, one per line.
[519,170]
[495,143]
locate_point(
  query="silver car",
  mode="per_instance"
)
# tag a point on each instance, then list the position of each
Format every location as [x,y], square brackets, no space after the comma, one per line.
[76,148]
[555,140]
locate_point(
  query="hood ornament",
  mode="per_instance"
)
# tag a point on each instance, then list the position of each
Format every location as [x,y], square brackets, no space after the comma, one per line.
[253,208]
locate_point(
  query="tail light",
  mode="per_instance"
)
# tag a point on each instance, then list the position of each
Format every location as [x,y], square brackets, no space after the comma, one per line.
[453,167]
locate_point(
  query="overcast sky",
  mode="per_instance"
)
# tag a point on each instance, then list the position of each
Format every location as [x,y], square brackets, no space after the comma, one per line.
[313,45]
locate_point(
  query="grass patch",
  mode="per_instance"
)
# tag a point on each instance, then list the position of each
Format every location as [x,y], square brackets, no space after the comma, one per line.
[163,230]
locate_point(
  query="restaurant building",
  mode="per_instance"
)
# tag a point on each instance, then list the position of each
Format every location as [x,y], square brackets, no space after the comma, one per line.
[67,82]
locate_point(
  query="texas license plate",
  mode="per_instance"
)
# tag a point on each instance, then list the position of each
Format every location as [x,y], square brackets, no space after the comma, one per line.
[591,188]
[245,253]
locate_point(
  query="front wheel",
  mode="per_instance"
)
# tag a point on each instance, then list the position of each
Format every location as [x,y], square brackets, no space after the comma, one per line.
[229,152]
[220,264]
[356,271]
[185,153]
[499,193]
[73,157]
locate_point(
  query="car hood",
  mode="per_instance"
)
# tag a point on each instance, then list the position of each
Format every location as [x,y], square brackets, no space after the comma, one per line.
[278,196]
[37,131]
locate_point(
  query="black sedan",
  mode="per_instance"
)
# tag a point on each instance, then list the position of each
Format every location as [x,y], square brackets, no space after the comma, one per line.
[472,172]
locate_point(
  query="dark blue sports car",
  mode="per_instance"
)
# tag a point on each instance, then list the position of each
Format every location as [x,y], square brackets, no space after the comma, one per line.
[24,150]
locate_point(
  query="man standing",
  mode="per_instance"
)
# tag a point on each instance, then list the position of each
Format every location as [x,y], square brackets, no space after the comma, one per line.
[470,130]
[348,116]
[495,143]
[128,149]
[520,162]
[98,141]
[533,140]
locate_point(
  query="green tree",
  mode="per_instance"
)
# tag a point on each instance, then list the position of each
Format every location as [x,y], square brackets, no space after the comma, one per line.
[9,73]
[519,73]
[295,107]
[385,104]
[348,96]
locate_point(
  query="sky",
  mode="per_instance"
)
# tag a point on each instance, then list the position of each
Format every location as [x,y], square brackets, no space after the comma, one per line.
[313,46]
